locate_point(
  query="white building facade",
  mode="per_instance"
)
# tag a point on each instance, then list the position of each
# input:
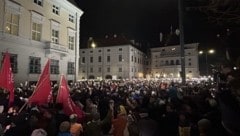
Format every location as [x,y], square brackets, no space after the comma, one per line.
[112,62]
[166,61]
[33,31]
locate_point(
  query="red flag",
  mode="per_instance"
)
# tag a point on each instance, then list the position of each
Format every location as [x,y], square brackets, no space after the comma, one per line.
[6,77]
[63,97]
[42,93]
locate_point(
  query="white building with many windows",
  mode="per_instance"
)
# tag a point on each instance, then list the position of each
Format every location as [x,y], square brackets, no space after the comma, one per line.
[34,30]
[166,61]
[115,61]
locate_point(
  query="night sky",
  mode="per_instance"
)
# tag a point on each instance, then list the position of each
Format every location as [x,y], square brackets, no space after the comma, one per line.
[143,20]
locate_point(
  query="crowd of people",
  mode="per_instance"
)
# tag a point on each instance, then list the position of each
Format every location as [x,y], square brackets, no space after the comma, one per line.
[130,108]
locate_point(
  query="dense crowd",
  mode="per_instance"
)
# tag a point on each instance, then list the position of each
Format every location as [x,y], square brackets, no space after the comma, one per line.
[130,108]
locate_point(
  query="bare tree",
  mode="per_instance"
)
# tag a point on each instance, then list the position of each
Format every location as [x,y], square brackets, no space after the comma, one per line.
[220,12]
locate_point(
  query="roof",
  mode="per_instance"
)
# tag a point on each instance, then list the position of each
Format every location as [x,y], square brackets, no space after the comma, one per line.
[74,3]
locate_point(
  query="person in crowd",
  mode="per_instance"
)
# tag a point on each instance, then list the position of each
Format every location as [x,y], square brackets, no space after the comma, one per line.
[95,126]
[76,129]
[64,129]
[39,132]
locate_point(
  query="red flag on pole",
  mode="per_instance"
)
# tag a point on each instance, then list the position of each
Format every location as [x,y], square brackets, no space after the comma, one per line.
[6,77]
[63,97]
[42,93]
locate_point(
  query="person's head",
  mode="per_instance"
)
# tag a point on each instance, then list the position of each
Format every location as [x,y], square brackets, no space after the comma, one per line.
[64,126]
[204,125]
[39,132]
[73,118]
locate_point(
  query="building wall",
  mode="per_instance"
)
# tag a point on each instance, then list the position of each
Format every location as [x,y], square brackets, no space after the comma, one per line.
[166,61]
[113,51]
[24,46]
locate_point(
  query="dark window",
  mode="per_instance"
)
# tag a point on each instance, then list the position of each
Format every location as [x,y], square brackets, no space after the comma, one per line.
[108,50]
[54,67]
[172,62]
[119,58]
[83,59]
[119,69]
[108,58]
[166,62]
[35,65]
[91,59]
[99,58]
[120,49]
[70,68]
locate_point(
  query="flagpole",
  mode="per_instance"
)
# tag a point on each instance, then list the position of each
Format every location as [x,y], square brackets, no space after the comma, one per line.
[34,89]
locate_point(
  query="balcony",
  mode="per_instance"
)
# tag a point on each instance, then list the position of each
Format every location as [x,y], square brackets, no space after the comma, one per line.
[53,47]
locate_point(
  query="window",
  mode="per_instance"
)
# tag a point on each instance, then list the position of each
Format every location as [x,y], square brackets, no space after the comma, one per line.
[108,50]
[38,2]
[55,9]
[91,59]
[189,59]
[91,51]
[99,58]
[189,71]
[36,31]
[71,18]
[83,51]
[120,58]
[14,64]
[135,59]
[177,62]
[99,50]
[35,65]
[83,59]
[91,70]
[54,67]
[71,42]
[166,62]
[120,49]
[70,68]
[172,62]
[132,69]
[99,69]
[55,36]
[13,61]
[108,69]
[108,58]
[132,58]
[119,69]
[189,64]
[138,60]
[12,23]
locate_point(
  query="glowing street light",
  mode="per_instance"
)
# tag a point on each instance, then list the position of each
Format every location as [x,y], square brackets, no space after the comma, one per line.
[211,51]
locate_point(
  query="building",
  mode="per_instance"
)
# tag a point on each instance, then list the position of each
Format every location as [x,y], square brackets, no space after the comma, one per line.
[112,58]
[37,30]
[166,61]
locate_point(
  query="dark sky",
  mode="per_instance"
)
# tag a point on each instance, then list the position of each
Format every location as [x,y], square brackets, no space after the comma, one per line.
[143,20]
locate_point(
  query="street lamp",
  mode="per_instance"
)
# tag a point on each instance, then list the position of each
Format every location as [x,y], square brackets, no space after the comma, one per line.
[92,45]
[211,51]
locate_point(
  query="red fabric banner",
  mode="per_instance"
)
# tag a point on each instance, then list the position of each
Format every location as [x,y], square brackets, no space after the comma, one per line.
[42,93]
[6,77]
[63,97]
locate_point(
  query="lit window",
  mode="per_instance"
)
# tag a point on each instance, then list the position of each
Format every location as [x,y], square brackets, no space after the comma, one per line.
[71,42]
[55,36]
[35,65]
[38,2]
[12,23]
[56,9]
[36,31]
